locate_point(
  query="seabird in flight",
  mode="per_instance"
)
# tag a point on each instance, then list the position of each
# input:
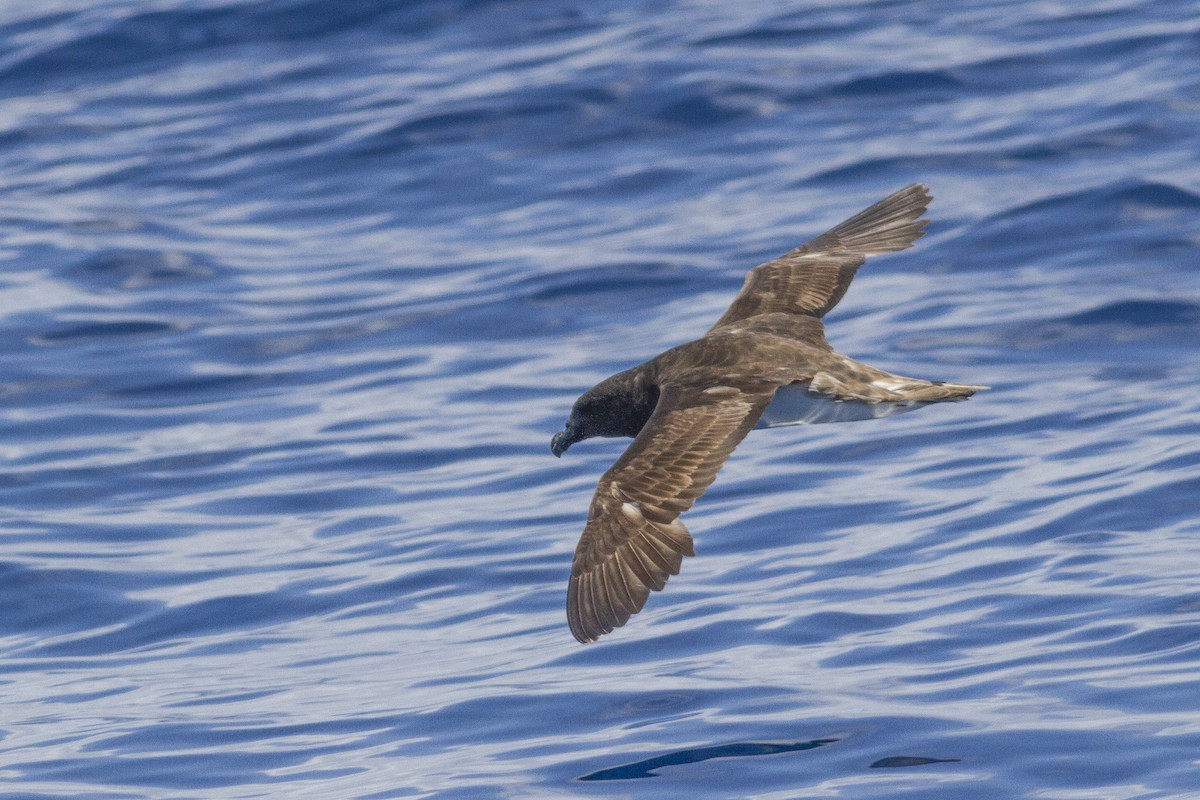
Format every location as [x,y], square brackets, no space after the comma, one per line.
[765,363]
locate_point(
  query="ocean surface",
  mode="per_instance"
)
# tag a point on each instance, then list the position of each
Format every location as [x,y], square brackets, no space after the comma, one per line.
[295,292]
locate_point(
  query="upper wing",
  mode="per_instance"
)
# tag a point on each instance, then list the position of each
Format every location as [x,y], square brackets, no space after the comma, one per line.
[633,540]
[811,279]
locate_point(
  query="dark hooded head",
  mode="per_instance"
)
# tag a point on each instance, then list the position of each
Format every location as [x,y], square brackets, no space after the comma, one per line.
[617,406]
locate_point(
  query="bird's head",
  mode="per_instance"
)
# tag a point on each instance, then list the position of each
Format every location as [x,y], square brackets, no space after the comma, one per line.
[617,406]
[582,424]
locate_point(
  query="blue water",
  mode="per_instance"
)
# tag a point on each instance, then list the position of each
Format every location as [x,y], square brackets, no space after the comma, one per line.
[294,294]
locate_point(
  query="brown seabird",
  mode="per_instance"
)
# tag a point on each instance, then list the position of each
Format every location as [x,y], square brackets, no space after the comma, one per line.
[765,363]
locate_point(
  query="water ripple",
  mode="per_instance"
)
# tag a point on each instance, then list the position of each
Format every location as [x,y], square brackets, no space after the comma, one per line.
[296,293]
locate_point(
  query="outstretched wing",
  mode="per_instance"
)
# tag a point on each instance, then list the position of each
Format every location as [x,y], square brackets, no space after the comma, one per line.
[633,540]
[811,279]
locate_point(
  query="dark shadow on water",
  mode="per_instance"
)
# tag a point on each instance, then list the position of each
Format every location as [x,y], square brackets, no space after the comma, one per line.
[909,761]
[644,769]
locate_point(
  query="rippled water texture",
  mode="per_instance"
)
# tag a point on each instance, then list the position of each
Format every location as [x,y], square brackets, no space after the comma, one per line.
[296,292]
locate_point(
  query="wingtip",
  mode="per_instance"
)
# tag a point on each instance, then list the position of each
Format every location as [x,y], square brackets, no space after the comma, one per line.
[604,596]
[920,196]
[918,188]
[892,224]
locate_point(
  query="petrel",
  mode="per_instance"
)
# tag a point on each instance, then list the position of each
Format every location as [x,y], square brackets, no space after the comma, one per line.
[764,364]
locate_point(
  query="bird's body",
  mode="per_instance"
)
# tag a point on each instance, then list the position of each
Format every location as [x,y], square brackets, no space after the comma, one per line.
[764,364]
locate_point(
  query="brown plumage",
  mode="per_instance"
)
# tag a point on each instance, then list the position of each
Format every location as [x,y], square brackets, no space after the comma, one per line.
[764,363]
